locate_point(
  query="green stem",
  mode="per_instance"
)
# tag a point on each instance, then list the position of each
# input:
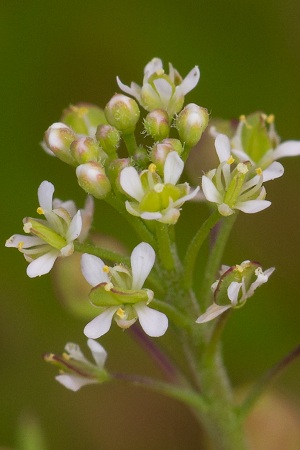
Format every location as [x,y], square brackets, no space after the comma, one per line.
[165,246]
[214,259]
[195,245]
[136,223]
[266,380]
[101,253]
[130,143]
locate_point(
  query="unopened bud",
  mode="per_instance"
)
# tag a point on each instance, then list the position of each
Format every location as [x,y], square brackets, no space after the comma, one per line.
[84,118]
[159,153]
[157,124]
[93,180]
[123,113]
[191,123]
[86,149]
[109,138]
[59,138]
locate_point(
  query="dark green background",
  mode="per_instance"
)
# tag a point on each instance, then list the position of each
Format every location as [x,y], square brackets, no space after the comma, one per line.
[57,53]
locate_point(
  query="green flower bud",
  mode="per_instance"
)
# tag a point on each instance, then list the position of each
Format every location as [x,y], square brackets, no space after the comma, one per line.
[109,138]
[157,124]
[84,118]
[123,113]
[106,295]
[257,135]
[58,139]
[114,169]
[160,151]
[86,149]
[191,123]
[93,180]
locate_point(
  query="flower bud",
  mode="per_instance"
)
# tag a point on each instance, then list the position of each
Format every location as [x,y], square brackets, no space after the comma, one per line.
[190,123]
[84,118]
[157,124]
[109,138]
[123,113]
[59,138]
[86,149]
[114,170]
[159,153]
[93,180]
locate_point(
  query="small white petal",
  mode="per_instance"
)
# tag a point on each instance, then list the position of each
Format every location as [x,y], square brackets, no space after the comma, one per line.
[149,215]
[92,269]
[67,250]
[133,90]
[153,322]
[43,264]
[253,206]
[98,352]
[153,66]
[142,261]
[212,311]
[133,208]
[187,197]
[164,90]
[101,324]
[275,170]
[241,155]
[223,148]
[131,183]
[233,292]
[26,241]
[190,81]
[173,168]
[288,148]
[74,228]
[75,352]
[74,382]
[210,191]
[45,195]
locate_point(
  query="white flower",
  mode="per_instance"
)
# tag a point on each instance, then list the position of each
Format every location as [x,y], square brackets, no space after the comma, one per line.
[54,236]
[235,285]
[232,190]
[118,291]
[162,91]
[156,199]
[76,370]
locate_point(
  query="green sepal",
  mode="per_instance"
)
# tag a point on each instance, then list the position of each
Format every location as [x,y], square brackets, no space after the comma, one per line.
[100,296]
[46,234]
[255,137]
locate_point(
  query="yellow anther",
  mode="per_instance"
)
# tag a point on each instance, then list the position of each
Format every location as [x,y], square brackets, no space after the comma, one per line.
[270,119]
[152,168]
[40,210]
[244,120]
[160,72]
[49,357]
[80,110]
[108,287]
[239,268]
[121,313]
[20,245]
[230,160]
[106,269]
[259,171]
[242,168]
[66,356]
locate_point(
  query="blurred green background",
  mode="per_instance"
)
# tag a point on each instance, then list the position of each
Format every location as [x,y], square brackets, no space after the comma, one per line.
[54,53]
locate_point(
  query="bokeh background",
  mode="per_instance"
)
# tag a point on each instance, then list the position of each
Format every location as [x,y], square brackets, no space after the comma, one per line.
[54,53]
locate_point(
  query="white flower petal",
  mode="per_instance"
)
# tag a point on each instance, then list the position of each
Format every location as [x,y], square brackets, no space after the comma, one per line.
[275,170]
[153,322]
[45,195]
[98,352]
[131,183]
[74,228]
[134,90]
[253,206]
[101,324]
[43,264]
[210,191]
[142,261]
[74,382]
[241,155]
[149,215]
[153,66]
[190,81]
[92,269]
[223,148]
[26,241]
[186,197]
[212,311]
[75,352]
[173,168]
[164,90]
[233,292]
[288,148]
[133,208]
